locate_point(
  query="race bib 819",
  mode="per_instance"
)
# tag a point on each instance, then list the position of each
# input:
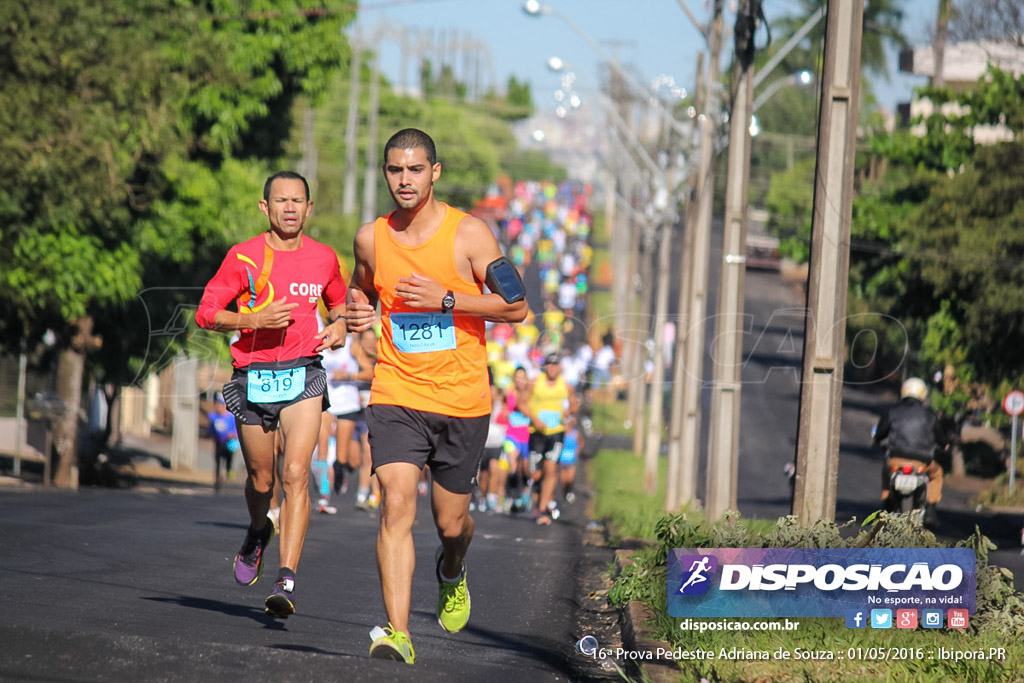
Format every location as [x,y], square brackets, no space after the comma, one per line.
[275,386]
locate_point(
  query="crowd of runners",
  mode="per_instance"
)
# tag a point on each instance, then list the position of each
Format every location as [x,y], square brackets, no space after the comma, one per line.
[541,366]
[426,373]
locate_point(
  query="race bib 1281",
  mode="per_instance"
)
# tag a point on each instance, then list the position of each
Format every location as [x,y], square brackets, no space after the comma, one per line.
[423,332]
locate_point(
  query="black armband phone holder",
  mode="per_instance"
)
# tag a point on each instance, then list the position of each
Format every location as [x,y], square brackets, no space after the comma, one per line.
[504,280]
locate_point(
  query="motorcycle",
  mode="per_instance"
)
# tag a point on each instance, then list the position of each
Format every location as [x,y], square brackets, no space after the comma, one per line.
[908,486]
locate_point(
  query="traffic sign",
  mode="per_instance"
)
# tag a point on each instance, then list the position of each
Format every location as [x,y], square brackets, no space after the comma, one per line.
[1013,403]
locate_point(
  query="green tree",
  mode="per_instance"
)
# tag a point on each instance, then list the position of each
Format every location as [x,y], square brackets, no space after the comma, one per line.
[948,144]
[475,145]
[106,111]
[519,93]
[882,20]
[966,245]
[789,201]
[936,241]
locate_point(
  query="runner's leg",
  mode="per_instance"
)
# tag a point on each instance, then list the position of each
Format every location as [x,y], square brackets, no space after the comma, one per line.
[322,474]
[548,482]
[454,526]
[300,426]
[396,554]
[258,454]
[568,476]
[347,455]
[365,463]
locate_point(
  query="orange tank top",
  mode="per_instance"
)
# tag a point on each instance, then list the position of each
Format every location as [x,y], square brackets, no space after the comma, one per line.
[428,360]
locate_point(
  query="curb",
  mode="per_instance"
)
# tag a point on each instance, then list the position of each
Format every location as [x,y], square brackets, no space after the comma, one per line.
[636,636]
[1002,510]
[159,473]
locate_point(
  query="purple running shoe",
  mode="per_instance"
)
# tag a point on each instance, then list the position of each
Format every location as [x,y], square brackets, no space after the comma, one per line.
[249,560]
[281,603]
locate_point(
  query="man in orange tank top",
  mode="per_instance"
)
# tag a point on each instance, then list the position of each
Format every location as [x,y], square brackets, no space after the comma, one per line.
[425,263]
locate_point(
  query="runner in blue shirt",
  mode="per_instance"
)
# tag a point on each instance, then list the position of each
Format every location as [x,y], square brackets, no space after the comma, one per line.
[222,429]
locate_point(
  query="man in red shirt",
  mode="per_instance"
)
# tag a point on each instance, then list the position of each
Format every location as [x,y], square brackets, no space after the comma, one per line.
[276,280]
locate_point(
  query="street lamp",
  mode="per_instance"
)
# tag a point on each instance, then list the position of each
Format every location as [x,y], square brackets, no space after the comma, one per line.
[535,9]
[532,7]
[556,64]
[811,22]
[571,98]
[801,78]
[566,95]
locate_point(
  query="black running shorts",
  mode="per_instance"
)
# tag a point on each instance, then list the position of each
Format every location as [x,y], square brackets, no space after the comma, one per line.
[545,447]
[268,415]
[450,446]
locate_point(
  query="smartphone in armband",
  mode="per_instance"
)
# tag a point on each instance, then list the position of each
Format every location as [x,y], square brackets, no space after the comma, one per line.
[504,280]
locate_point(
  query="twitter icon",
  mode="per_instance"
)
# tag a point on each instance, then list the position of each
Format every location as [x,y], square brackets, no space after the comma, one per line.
[881,618]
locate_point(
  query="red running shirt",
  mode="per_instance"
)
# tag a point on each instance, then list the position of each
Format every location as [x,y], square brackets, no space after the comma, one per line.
[253,275]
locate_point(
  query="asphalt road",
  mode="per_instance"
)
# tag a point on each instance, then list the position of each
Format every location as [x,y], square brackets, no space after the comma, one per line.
[121,585]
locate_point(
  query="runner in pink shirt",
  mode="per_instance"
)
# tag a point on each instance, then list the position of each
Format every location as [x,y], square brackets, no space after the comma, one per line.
[276,280]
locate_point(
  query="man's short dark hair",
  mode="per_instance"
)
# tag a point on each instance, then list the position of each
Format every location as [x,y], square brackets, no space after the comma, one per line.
[283,175]
[411,138]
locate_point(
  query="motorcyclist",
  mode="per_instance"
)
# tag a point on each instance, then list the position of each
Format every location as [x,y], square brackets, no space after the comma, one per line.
[914,437]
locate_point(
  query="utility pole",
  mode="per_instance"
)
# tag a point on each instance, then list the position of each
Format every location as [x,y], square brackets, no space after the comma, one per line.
[185,411]
[939,44]
[616,245]
[675,431]
[620,112]
[665,202]
[696,262]
[310,159]
[348,198]
[370,179]
[817,455]
[723,449]
[19,411]
[632,227]
[638,380]
[403,73]
[467,65]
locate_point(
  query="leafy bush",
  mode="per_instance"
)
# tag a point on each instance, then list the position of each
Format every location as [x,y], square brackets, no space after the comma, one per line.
[997,622]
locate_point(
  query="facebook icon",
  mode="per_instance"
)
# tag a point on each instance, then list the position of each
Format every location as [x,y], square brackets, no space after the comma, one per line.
[856,618]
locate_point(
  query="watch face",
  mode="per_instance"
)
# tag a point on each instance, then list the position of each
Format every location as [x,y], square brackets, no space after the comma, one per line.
[448,302]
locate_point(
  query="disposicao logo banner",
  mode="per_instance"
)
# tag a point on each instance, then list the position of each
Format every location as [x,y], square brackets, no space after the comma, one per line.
[817,582]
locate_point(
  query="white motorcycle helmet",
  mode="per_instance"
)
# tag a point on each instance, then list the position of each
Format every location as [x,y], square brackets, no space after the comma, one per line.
[914,388]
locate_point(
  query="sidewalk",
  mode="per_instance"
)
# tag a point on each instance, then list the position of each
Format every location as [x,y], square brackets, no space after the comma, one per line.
[149,459]
[135,462]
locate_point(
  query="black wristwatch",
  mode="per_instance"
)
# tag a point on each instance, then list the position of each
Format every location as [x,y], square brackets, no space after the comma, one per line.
[448,302]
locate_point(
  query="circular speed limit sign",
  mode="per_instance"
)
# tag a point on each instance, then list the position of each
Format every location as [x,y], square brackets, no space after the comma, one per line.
[1013,403]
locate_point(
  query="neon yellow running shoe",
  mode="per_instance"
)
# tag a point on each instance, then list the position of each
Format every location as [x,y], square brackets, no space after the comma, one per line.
[453,599]
[391,644]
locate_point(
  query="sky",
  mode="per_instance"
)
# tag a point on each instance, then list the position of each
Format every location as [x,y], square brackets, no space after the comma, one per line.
[650,38]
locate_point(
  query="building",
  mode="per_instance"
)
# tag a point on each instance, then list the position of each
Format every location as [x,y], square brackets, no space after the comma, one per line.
[963,64]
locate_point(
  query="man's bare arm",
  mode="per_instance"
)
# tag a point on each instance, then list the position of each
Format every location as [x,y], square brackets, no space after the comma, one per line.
[276,315]
[361,307]
[476,241]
